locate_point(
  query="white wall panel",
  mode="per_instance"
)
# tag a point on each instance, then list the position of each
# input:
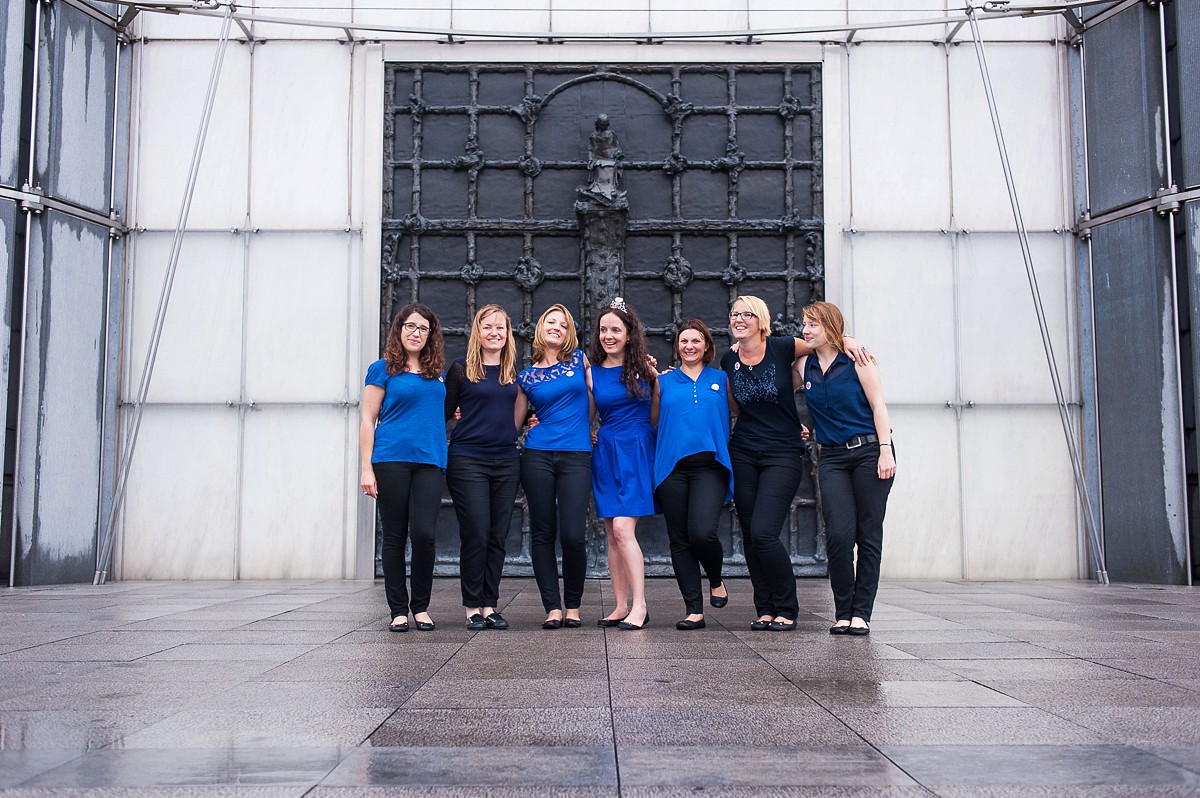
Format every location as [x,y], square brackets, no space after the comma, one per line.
[297,317]
[299,159]
[414,13]
[172,78]
[779,14]
[993,28]
[156,26]
[304,10]
[294,494]
[899,142]
[529,16]
[696,15]
[632,16]
[1032,117]
[902,307]
[922,535]
[181,510]
[199,357]
[1020,508]
[1002,355]
[899,11]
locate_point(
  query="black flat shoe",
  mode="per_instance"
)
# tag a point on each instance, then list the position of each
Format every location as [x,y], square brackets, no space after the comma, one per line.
[476,623]
[626,626]
[426,626]
[783,626]
[609,623]
[843,629]
[552,623]
[572,623]
[718,601]
[760,626]
[858,631]
[685,625]
[495,621]
[398,627]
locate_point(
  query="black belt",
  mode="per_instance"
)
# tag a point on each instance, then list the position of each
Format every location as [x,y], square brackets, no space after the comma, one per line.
[853,443]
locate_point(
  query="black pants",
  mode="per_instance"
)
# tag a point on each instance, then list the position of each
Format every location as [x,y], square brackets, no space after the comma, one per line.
[691,497]
[483,491]
[853,500]
[558,487]
[409,497]
[764,484]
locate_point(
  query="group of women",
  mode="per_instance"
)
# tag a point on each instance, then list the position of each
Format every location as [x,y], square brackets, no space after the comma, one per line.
[663,444]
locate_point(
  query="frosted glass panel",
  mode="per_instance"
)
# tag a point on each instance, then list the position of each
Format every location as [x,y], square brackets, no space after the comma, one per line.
[167,76]
[1003,359]
[696,15]
[583,17]
[922,534]
[512,15]
[303,10]
[199,357]
[414,13]
[181,510]
[903,310]
[874,12]
[156,25]
[899,145]
[1021,519]
[297,312]
[301,101]
[1033,120]
[1029,29]
[296,484]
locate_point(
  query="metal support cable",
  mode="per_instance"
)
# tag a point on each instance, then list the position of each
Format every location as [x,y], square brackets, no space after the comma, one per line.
[1093,534]
[164,299]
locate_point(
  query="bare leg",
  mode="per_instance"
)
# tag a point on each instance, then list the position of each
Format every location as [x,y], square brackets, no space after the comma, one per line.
[617,574]
[624,535]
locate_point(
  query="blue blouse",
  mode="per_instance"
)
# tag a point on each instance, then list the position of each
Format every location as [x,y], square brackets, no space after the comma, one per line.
[559,396]
[836,400]
[693,417]
[620,413]
[411,426]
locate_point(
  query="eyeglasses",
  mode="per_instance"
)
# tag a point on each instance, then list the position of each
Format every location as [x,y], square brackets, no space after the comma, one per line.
[739,315]
[419,329]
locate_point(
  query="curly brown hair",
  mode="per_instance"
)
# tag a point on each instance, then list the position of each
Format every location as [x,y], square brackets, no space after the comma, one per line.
[432,356]
[638,377]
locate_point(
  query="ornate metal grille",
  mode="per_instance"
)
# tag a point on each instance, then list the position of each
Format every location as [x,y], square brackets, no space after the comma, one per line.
[722,168]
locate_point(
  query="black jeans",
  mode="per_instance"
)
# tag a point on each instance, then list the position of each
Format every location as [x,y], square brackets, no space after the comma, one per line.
[558,487]
[691,497]
[853,501]
[483,491]
[764,484]
[409,497]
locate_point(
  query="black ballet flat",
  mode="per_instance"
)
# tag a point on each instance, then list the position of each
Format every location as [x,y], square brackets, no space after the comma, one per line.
[476,623]
[398,627]
[760,626]
[495,621]
[609,623]
[572,623]
[685,625]
[858,631]
[626,626]
[718,601]
[840,629]
[783,626]
[552,623]
[426,626]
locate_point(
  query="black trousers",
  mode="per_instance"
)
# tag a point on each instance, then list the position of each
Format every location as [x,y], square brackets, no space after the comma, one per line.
[853,501]
[558,487]
[409,497]
[691,497]
[483,491]
[764,484]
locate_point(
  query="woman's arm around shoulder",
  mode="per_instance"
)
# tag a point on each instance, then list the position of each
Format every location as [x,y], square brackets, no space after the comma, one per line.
[454,377]
[868,377]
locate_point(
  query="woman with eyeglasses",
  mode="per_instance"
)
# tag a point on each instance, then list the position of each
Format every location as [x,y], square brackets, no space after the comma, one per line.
[484,467]
[402,442]
[767,454]
[857,463]
[556,464]
[623,385]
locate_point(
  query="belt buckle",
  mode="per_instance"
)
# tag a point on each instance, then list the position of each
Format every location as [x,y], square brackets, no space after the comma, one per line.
[856,442]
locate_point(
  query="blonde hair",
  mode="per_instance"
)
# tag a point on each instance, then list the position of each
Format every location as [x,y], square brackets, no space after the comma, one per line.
[829,318]
[539,336]
[760,311]
[508,355]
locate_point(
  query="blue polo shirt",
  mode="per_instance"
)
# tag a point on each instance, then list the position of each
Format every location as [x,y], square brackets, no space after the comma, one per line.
[836,400]
[411,426]
[693,417]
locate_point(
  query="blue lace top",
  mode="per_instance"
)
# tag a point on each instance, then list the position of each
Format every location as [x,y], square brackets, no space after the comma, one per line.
[559,396]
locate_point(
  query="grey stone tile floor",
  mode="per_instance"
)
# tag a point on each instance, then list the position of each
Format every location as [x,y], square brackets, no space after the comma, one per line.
[287,689]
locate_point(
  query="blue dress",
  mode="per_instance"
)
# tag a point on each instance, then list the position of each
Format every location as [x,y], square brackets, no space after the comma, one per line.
[623,458]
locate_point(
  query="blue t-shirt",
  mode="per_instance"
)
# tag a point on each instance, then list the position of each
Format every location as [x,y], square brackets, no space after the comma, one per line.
[693,417]
[411,426]
[836,399]
[486,429]
[559,396]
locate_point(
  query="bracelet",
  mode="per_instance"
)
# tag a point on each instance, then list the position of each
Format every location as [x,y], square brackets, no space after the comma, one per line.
[887,445]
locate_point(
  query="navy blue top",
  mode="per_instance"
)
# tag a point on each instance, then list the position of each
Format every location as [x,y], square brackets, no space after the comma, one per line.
[486,428]
[559,396]
[693,417]
[411,426]
[836,399]
[767,415]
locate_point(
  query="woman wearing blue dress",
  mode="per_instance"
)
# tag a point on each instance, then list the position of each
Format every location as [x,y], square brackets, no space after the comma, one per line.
[402,440]
[693,475]
[623,384]
[556,464]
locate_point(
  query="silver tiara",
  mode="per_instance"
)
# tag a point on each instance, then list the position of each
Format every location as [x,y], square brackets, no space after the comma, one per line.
[619,304]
